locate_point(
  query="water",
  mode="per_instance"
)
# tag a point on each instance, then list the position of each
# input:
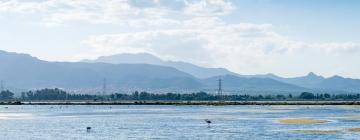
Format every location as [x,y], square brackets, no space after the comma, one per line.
[174,122]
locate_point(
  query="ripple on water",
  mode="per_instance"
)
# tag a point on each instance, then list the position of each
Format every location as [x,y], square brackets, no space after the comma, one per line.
[257,111]
[4,116]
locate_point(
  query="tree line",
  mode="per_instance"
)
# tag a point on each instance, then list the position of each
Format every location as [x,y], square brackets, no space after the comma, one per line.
[58,94]
[203,96]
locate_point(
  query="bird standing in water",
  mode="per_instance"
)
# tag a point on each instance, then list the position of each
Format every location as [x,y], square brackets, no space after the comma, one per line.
[208,122]
[88,129]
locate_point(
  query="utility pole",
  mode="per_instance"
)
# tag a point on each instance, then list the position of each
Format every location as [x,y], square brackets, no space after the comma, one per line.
[104,88]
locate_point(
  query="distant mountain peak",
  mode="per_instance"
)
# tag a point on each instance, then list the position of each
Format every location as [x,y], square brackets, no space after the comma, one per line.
[336,77]
[131,54]
[313,75]
[129,58]
[147,58]
[271,75]
[17,56]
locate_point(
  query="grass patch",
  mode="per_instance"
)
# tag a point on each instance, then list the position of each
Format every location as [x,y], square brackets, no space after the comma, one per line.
[316,131]
[302,121]
[354,129]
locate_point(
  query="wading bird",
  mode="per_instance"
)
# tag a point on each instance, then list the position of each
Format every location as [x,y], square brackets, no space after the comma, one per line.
[208,122]
[88,129]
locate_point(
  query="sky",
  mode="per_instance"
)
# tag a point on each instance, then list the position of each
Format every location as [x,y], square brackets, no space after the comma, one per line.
[285,37]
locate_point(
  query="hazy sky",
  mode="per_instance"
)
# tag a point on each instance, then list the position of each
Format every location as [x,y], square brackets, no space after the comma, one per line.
[285,37]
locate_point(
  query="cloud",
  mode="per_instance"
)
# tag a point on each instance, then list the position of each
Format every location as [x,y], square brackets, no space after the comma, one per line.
[207,44]
[208,7]
[125,12]
[57,12]
[338,48]
[186,30]
[210,41]
[167,43]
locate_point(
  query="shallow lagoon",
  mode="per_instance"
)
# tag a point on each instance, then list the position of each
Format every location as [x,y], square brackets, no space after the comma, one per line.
[177,122]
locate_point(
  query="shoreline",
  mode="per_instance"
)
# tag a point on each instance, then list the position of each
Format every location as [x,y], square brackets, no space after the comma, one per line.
[209,103]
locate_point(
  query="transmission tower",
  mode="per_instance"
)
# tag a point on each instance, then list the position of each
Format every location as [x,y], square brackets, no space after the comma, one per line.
[220,90]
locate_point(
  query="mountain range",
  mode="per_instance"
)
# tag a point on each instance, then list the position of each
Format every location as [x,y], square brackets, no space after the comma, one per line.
[310,81]
[145,58]
[129,72]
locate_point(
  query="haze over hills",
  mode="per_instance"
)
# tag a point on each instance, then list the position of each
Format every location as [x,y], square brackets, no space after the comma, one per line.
[146,72]
[310,81]
[22,71]
[25,72]
[253,85]
[145,58]
[320,83]
[128,58]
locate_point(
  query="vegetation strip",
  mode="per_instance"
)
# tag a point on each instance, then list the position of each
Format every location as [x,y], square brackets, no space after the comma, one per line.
[212,103]
[60,97]
[316,131]
[58,94]
[354,129]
